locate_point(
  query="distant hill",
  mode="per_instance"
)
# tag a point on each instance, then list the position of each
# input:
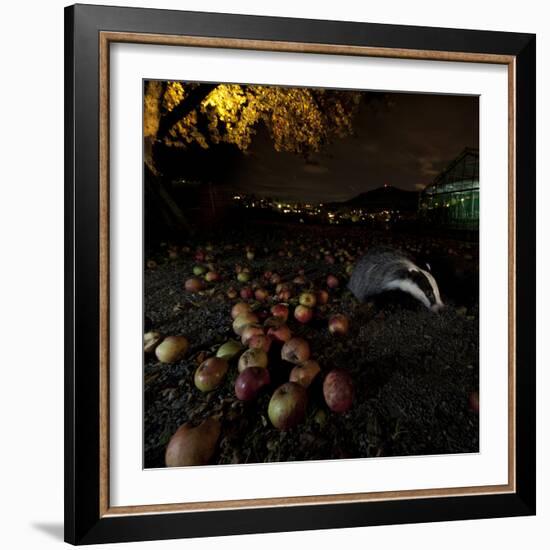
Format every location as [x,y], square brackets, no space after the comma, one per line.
[383,198]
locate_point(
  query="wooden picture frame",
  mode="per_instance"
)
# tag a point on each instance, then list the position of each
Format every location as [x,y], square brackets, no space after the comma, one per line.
[89,32]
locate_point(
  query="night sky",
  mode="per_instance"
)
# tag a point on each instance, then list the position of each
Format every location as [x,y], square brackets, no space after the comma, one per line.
[404,141]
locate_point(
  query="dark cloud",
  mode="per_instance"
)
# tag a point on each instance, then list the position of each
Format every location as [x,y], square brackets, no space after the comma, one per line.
[405,141]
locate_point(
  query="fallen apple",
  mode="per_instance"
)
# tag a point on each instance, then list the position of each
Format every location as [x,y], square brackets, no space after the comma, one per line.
[212,276]
[261,294]
[193,446]
[287,406]
[172,349]
[280,333]
[338,390]
[210,374]
[199,270]
[250,382]
[304,373]
[332,281]
[193,285]
[242,320]
[151,340]
[296,350]
[338,324]
[254,357]
[243,277]
[239,308]
[281,311]
[229,350]
[322,297]
[246,293]
[303,314]
[254,329]
[261,341]
[307,299]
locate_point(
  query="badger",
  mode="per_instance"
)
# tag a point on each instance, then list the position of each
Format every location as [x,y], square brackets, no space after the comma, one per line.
[380,270]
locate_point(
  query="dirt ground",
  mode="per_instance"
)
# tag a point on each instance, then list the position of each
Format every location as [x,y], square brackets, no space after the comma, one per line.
[413,370]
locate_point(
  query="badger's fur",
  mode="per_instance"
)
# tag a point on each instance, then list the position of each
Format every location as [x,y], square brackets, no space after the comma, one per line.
[381,270]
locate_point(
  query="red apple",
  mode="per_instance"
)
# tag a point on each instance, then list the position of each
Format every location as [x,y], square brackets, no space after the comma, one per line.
[212,276]
[303,314]
[193,285]
[332,281]
[280,333]
[281,311]
[261,341]
[338,324]
[322,297]
[210,374]
[296,350]
[338,390]
[304,373]
[287,407]
[246,293]
[250,382]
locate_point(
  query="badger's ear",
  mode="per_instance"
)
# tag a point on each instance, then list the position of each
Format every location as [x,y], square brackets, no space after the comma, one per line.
[428,266]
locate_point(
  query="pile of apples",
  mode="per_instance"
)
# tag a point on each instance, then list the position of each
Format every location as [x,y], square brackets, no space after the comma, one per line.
[202,274]
[288,403]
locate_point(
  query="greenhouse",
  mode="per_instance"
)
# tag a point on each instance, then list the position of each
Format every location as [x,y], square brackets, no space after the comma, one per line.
[452,199]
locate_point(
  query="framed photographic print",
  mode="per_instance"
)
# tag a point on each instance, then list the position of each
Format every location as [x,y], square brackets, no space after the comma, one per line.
[300,266]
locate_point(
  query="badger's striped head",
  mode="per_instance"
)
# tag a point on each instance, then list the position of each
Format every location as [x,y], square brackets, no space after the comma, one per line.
[420,284]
